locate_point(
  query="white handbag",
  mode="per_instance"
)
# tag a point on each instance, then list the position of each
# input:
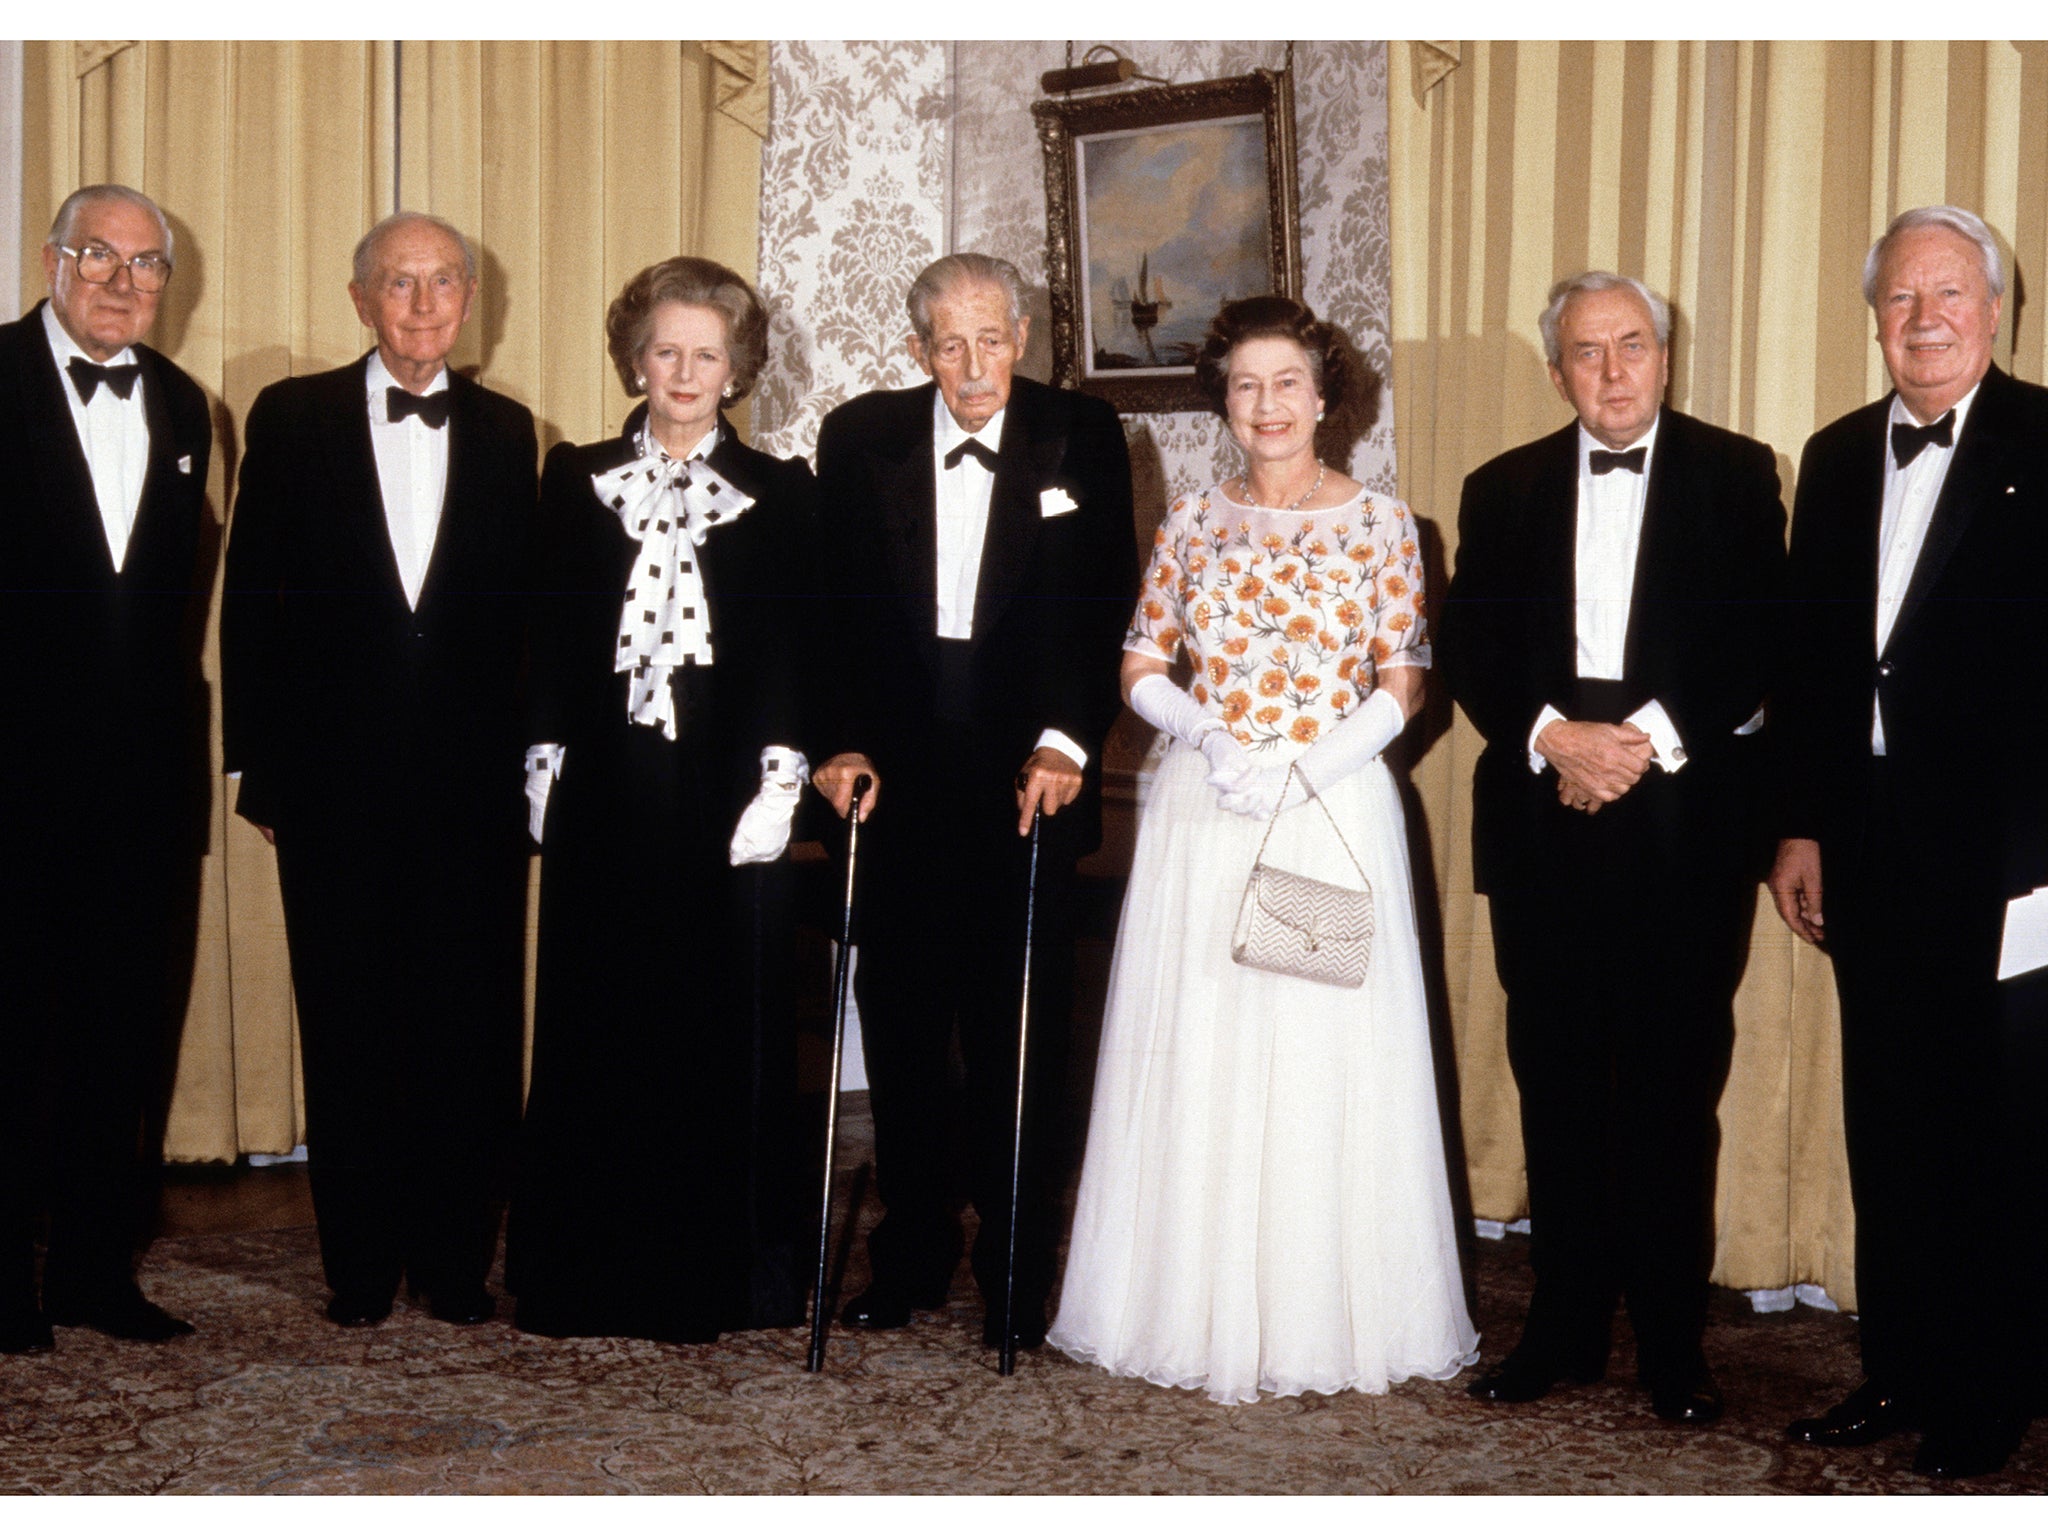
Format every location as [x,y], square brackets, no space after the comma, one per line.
[1295,926]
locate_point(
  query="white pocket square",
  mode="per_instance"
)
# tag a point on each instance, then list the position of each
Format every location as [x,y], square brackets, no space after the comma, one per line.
[1054,502]
[184,463]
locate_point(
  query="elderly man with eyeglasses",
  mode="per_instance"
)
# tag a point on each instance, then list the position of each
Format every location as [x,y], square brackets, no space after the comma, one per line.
[103,775]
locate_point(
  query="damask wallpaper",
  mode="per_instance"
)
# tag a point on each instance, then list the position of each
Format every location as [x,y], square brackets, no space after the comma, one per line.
[853,206]
[882,156]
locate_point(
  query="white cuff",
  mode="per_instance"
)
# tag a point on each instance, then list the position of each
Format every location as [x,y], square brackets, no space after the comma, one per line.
[1537,761]
[784,767]
[1059,741]
[1666,749]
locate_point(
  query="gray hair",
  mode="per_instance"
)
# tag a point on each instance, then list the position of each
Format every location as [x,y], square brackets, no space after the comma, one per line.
[363,263]
[1938,215]
[1564,292]
[107,192]
[961,270]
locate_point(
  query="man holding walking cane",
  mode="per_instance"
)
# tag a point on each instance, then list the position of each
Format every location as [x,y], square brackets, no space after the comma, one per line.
[983,558]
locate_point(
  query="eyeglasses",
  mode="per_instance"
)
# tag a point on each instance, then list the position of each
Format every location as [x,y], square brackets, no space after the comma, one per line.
[96,264]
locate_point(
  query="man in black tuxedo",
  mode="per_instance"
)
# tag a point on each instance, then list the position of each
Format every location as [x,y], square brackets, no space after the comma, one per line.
[104,771]
[1607,632]
[371,645]
[1911,729]
[985,567]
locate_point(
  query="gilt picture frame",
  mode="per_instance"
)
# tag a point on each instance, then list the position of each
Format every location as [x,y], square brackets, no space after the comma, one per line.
[1162,204]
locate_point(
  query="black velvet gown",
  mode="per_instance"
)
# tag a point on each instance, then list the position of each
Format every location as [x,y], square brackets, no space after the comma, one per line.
[656,1196]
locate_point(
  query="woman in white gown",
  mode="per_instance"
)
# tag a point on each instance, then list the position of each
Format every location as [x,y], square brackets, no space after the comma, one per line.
[1264,1205]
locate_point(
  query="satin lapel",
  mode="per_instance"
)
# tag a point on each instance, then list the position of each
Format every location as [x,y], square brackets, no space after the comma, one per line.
[909,511]
[67,495]
[162,474]
[1666,500]
[351,489]
[1978,463]
[1026,462]
[461,496]
[1553,551]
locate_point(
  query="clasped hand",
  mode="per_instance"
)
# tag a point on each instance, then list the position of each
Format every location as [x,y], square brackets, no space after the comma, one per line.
[1596,763]
[1242,786]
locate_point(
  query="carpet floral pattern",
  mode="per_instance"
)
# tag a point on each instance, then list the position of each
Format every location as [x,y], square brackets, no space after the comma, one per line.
[267,1397]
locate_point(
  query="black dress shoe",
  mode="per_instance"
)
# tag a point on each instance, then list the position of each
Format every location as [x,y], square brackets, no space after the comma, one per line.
[1686,1397]
[358,1311]
[1976,1449]
[1028,1329]
[461,1307]
[888,1306]
[1524,1376]
[123,1313]
[25,1331]
[1869,1414]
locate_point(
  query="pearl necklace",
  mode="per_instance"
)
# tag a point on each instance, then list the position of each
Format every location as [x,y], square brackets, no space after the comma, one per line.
[1294,505]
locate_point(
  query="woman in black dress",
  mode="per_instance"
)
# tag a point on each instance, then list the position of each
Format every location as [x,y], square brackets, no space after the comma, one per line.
[655,1197]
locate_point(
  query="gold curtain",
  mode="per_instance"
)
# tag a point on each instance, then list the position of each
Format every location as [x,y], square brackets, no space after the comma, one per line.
[570,165]
[1745,182]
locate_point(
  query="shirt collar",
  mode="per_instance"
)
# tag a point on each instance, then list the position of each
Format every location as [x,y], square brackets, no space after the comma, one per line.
[63,348]
[377,378]
[1902,417]
[1647,442]
[948,434]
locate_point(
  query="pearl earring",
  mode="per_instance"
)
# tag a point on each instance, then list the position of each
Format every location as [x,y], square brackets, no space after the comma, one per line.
[640,381]
[726,393]
[1319,415]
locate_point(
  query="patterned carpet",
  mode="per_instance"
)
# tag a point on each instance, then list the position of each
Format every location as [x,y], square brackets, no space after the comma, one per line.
[268,1398]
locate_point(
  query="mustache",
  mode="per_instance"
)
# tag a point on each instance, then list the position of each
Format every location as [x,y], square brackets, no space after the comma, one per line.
[974,389]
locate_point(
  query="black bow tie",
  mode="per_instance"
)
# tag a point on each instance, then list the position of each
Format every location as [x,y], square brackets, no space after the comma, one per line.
[87,377]
[976,447]
[432,410]
[1602,462]
[1908,441]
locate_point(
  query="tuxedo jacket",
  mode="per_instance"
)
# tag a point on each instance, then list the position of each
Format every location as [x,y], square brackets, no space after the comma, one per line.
[102,666]
[1709,577]
[1961,677]
[1049,613]
[758,585]
[342,703]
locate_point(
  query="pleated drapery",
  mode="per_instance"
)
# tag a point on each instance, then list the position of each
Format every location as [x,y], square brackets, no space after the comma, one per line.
[1744,181]
[570,165]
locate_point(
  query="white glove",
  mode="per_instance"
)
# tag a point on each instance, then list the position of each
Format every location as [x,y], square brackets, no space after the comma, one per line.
[763,830]
[1230,766]
[1157,702]
[543,767]
[1353,742]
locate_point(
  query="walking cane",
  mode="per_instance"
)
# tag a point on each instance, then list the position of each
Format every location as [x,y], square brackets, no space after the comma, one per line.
[819,1319]
[1006,1357]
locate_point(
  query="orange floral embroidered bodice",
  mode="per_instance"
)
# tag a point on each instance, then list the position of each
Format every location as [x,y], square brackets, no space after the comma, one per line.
[1288,618]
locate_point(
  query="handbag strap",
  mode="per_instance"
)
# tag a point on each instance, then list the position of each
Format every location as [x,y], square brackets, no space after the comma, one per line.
[1294,771]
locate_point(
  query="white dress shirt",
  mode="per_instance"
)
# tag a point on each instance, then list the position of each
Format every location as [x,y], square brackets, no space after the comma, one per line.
[1608,540]
[1909,498]
[962,502]
[412,472]
[114,433]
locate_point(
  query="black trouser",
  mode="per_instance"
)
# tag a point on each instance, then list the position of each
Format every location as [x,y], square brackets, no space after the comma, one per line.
[95,944]
[406,948]
[944,952]
[1942,1092]
[1620,948]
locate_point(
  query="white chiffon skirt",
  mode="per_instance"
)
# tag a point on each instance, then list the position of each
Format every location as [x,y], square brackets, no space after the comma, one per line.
[1263,1205]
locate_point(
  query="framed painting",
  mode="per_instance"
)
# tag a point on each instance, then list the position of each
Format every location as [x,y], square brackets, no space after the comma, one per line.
[1162,205]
